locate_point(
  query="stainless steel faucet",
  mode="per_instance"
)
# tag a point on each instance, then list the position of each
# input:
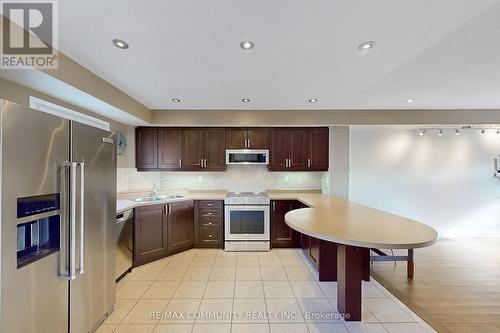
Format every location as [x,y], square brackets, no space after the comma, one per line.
[156,188]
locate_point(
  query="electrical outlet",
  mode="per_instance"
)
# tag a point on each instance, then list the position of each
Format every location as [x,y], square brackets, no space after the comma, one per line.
[286,179]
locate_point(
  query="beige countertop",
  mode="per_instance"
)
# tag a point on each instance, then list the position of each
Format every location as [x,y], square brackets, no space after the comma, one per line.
[344,222]
[328,218]
[125,200]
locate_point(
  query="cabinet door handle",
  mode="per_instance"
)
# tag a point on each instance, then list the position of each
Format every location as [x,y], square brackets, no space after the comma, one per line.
[180,162]
[274,205]
[167,209]
[205,162]
[249,143]
[209,236]
[308,162]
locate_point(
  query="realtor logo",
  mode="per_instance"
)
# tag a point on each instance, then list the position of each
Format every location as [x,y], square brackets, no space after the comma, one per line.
[29,34]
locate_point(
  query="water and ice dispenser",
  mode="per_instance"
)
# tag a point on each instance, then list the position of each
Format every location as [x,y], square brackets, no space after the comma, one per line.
[38,235]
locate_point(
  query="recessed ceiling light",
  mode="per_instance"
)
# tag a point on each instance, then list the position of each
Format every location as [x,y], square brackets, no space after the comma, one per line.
[176,100]
[410,101]
[121,44]
[245,100]
[247,45]
[313,100]
[366,45]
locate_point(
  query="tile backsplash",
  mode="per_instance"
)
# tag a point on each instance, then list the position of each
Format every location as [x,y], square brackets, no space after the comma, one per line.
[235,178]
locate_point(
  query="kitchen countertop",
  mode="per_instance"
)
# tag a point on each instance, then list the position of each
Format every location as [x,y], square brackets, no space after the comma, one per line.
[124,200]
[328,218]
[340,221]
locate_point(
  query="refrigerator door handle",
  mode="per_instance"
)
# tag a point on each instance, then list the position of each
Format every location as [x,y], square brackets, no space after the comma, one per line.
[82,217]
[72,209]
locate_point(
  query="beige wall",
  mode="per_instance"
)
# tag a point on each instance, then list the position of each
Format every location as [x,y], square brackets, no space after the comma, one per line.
[20,94]
[321,117]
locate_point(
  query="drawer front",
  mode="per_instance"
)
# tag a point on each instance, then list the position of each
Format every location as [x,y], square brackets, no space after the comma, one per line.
[211,204]
[210,221]
[210,234]
[209,213]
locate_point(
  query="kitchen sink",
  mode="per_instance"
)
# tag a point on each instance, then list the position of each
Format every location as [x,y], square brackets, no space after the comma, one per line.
[158,198]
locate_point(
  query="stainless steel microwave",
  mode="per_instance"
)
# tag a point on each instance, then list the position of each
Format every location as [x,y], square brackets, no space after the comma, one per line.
[247,156]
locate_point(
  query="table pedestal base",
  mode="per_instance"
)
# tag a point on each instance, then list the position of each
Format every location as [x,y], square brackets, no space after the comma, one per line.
[353,264]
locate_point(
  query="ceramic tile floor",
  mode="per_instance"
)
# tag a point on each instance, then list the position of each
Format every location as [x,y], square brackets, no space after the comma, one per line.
[208,290]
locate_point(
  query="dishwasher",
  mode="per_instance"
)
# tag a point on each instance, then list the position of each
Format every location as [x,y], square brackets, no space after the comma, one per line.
[124,246]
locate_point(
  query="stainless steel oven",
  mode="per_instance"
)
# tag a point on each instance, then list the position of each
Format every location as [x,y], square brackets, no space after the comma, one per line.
[247,222]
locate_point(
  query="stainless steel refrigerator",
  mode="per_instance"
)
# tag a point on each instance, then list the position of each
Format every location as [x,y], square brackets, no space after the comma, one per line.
[58,207]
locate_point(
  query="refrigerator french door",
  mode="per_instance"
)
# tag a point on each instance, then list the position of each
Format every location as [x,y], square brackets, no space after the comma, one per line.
[58,191]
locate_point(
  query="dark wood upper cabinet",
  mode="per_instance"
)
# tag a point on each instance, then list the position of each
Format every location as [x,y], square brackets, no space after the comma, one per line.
[298,153]
[214,151]
[280,148]
[169,148]
[298,149]
[247,138]
[203,149]
[236,138]
[281,234]
[150,234]
[258,138]
[317,148]
[180,226]
[192,148]
[146,156]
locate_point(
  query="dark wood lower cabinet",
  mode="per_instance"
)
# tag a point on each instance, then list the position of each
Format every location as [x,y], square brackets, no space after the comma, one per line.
[209,223]
[314,250]
[281,234]
[161,230]
[180,233]
[150,234]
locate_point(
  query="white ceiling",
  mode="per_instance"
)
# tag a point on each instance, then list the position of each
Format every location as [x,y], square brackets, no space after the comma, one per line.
[441,53]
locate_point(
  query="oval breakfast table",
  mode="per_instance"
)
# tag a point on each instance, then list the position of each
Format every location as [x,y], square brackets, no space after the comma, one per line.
[355,229]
